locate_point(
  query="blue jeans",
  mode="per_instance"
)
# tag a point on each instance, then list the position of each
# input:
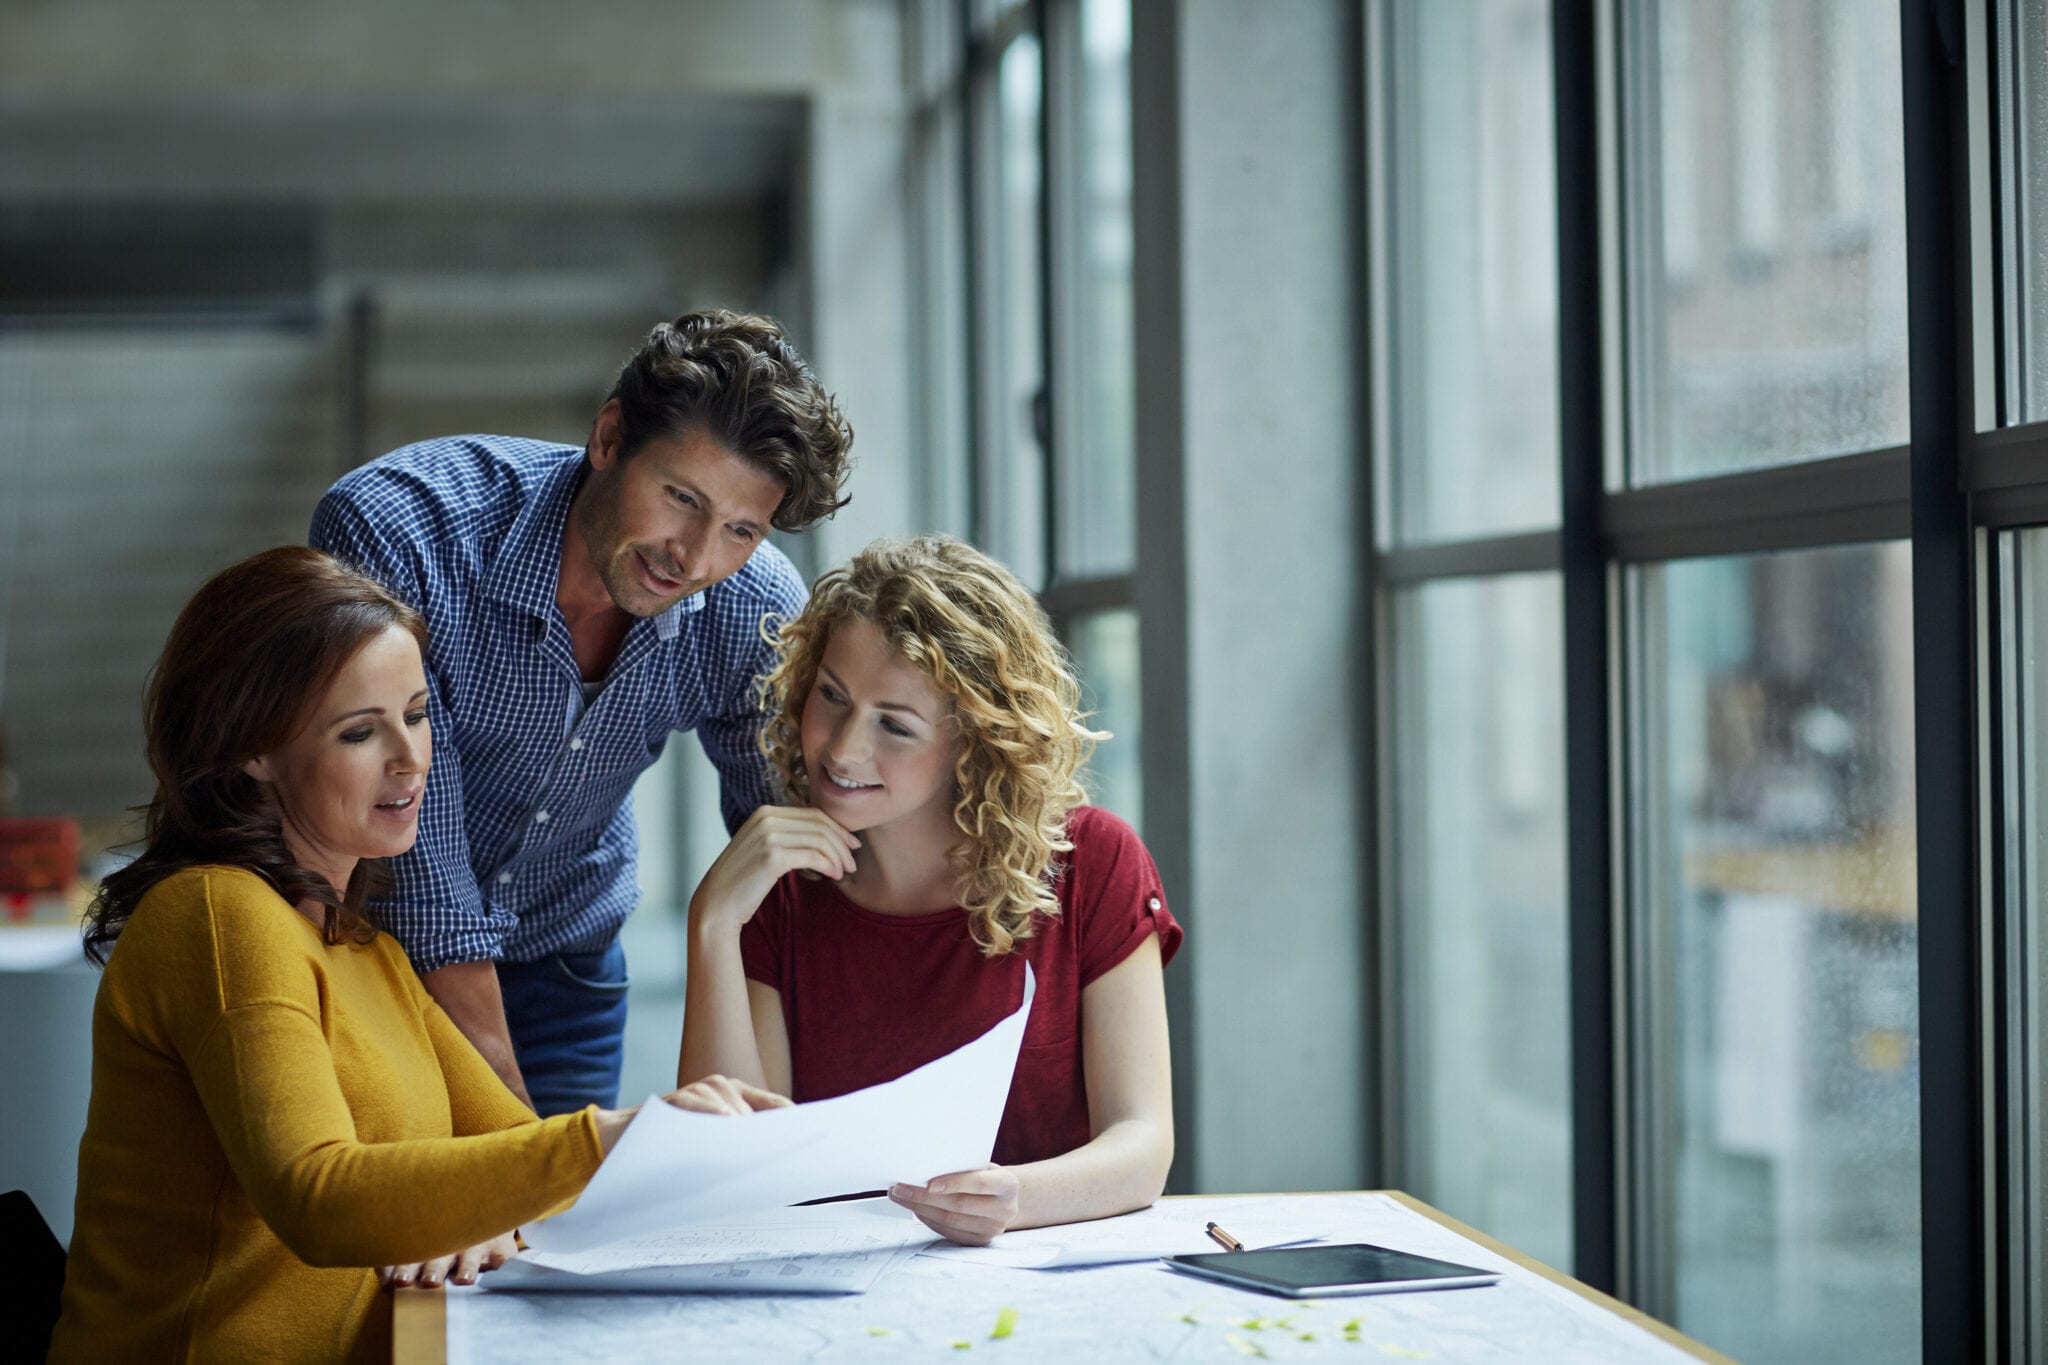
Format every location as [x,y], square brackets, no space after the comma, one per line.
[567,1014]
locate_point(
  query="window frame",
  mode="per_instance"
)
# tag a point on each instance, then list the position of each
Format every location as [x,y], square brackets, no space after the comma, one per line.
[1943,491]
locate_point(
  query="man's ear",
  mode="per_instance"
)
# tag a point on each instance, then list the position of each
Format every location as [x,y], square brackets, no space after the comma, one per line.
[603,449]
[259,768]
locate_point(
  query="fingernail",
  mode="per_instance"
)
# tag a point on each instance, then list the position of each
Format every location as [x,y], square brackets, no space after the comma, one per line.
[896,1192]
[937,1187]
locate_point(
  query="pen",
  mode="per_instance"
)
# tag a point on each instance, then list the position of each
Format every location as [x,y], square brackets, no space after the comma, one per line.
[1224,1239]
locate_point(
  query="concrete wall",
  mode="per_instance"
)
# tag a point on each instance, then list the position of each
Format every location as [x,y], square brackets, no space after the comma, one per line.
[1251,457]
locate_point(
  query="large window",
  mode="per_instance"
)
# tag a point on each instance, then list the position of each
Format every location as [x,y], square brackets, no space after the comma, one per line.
[1485,1065]
[1709,432]
[1772,290]
[1480,1068]
[1672,414]
[1033,99]
[2023,580]
[1473,251]
[1778,1023]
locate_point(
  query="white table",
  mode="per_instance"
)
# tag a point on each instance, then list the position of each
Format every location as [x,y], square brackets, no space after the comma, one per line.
[46,996]
[928,1307]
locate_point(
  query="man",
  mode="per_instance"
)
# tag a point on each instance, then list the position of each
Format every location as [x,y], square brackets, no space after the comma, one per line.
[583,605]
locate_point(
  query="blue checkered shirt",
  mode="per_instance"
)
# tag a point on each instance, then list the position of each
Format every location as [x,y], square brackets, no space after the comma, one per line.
[526,843]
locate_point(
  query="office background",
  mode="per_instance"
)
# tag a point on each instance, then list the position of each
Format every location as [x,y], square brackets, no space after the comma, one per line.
[1546,494]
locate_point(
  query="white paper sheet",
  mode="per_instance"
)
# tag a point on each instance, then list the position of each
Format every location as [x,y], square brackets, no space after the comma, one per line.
[671,1168]
[1162,1230]
[1113,1314]
[826,1249]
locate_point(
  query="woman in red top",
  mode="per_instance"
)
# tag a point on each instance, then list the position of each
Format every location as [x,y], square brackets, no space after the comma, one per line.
[926,724]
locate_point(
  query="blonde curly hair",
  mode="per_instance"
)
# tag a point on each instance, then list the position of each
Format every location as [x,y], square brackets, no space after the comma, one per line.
[966,623]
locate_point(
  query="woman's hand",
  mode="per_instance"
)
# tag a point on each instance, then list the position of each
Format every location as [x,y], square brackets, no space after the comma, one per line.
[723,1095]
[969,1207]
[461,1268]
[712,1095]
[773,841]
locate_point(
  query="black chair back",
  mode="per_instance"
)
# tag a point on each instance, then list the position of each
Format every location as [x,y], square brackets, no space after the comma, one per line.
[31,1279]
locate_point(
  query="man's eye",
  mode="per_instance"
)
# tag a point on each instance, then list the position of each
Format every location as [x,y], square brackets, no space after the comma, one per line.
[684,498]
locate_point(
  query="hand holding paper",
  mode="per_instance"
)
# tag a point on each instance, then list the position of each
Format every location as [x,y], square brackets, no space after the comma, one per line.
[968,1207]
[673,1168]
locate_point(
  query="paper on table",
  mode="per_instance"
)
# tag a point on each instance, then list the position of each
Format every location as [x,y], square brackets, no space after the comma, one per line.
[1170,1229]
[826,1249]
[672,1168]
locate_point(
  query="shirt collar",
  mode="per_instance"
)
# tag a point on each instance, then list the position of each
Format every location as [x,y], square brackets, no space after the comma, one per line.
[528,567]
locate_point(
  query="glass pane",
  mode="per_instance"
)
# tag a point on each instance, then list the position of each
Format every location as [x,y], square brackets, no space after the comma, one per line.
[2026,846]
[1768,264]
[1484,982]
[1473,254]
[1097,501]
[1777,852]
[1017,502]
[2030,207]
[1105,647]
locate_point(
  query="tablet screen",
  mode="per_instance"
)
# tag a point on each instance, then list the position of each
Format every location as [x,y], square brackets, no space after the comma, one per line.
[1298,1270]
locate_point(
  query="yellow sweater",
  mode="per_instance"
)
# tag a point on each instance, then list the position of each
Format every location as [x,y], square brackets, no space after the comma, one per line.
[273,1117]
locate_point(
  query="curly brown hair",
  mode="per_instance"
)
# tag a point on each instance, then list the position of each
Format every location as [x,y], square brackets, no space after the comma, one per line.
[250,653]
[980,636]
[737,377]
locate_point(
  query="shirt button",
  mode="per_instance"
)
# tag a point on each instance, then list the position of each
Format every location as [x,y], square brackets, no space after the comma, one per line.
[504,877]
[540,817]
[1155,902]
[575,744]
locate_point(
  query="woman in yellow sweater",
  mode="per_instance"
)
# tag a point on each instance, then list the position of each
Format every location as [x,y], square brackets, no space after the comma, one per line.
[278,1107]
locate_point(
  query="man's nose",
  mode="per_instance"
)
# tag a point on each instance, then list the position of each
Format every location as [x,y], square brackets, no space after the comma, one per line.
[686,548]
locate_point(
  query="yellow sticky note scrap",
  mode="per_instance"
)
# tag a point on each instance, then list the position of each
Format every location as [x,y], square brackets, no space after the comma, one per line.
[962,1344]
[1191,1319]
[1405,1353]
[1351,1326]
[1242,1346]
[1006,1323]
[1252,1324]
[878,1331]
[1308,1336]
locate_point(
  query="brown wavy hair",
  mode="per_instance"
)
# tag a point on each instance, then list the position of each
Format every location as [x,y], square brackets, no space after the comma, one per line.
[966,623]
[736,376]
[251,653]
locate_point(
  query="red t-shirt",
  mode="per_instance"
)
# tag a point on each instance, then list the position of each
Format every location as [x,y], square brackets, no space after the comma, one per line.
[868,997]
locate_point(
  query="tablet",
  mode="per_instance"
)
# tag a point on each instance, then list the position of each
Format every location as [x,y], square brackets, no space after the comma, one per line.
[1314,1272]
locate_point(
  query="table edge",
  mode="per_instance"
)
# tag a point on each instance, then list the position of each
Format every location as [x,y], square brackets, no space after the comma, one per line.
[419,1325]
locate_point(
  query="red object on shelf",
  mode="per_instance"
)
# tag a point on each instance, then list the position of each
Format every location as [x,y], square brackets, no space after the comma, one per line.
[37,858]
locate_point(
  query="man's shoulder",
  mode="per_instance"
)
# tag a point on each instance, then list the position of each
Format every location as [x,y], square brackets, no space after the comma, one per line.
[453,486]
